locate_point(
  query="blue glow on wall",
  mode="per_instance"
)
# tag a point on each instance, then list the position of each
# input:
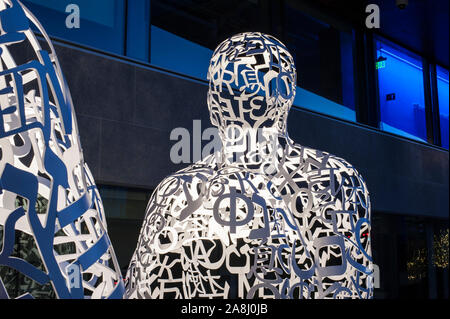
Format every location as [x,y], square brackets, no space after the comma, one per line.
[174,53]
[443,89]
[317,103]
[401,94]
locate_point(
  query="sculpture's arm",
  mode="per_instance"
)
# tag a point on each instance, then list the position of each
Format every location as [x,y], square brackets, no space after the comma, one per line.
[355,199]
[158,216]
[332,204]
[162,233]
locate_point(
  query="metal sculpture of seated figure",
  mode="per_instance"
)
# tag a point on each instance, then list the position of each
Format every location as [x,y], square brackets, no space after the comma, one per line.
[267,218]
[53,234]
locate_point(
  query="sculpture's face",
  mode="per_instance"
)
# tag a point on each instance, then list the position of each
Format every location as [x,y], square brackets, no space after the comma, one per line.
[252,81]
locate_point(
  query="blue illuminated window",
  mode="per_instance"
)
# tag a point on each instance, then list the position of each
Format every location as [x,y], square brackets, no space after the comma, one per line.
[102,22]
[443,88]
[401,92]
[174,53]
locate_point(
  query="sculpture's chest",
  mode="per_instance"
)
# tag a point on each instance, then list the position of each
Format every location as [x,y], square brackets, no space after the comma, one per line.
[233,205]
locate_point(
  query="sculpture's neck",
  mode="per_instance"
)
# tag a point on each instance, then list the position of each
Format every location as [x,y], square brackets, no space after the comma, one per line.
[251,148]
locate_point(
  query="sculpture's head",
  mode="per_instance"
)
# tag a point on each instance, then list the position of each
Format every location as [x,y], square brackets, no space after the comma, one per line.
[252,81]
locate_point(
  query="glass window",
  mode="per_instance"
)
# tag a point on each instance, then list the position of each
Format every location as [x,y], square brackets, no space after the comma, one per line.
[323,57]
[440,258]
[174,53]
[185,33]
[138,29]
[443,88]
[207,23]
[121,202]
[401,92]
[401,249]
[125,210]
[101,22]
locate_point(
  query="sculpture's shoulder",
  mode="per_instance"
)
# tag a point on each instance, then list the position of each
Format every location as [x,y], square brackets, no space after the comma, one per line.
[324,179]
[316,162]
[179,193]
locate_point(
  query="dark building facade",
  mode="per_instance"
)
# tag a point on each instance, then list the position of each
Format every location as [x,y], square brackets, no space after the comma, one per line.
[376,97]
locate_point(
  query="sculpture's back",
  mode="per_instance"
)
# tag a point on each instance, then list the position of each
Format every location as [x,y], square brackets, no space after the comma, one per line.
[53,235]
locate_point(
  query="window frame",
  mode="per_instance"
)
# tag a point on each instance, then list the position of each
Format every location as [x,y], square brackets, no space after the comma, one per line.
[429,90]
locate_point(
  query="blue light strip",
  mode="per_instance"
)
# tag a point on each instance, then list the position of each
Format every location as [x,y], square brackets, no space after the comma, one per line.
[401,59]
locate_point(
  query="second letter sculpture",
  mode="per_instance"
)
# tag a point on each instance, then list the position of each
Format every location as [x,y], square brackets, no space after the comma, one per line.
[265,218]
[53,235]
